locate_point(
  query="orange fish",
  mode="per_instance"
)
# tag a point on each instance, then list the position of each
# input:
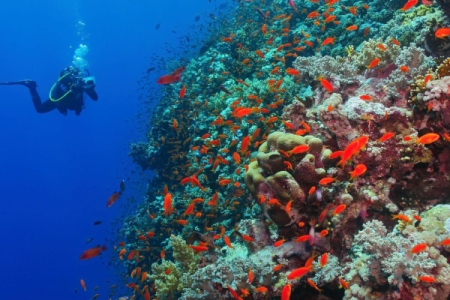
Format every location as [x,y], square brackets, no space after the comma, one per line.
[428,138]
[175,124]
[330,19]
[83,285]
[298,273]
[358,171]
[419,248]
[323,260]
[326,180]
[442,33]
[365,97]
[236,158]
[299,149]
[113,199]
[339,209]
[401,217]
[349,151]
[279,243]
[352,10]
[310,44]
[328,41]
[447,137]
[93,252]
[291,71]
[182,222]
[344,284]
[404,69]
[302,238]
[250,276]
[374,63]
[168,209]
[274,201]
[225,181]
[335,154]
[445,242]
[286,292]
[261,289]
[330,108]
[233,292]
[245,144]
[227,241]
[351,28]
[190,209]
[381,47]
[312,190]
[272,120]
[366,31]
[326,84]
[426,279]
[386,137]
[288,206]
[276,268]
[182,92]
[264,29]
[247,238]
[262,198]
[198,249]
[324,213]
[324,233]
[245,293]
[410,4]
[395,42]
[312,284]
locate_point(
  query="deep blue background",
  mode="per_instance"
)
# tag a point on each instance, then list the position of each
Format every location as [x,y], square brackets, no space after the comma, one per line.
[57,171]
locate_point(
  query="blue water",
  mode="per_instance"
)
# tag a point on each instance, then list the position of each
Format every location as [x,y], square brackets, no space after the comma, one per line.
[57,172]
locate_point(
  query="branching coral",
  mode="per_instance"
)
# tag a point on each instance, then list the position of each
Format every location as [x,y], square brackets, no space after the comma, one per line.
[380,258]
[180,272]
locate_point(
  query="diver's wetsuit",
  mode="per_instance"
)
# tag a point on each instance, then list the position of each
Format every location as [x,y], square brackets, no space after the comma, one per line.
[73,101]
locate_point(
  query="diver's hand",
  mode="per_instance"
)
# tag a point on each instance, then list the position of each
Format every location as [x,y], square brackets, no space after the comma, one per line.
[31,84]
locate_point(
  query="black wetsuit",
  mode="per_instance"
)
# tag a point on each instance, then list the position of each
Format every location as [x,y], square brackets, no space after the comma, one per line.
[72,101]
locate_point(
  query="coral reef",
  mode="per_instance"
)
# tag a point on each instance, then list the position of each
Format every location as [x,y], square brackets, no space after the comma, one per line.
[288,146]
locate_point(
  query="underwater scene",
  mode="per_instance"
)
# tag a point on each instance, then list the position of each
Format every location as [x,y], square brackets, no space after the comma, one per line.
[239,149]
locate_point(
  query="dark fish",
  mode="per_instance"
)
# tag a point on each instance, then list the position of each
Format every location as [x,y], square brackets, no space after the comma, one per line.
[197,18]
[89,240]
[76,290]
[151,69]
[97,222]
[223,5]
[173,31]
[260,12]
[225,90]
[255,33]
[157,26]
[212,16]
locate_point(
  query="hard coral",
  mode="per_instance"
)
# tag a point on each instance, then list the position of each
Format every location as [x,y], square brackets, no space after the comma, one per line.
[271,176]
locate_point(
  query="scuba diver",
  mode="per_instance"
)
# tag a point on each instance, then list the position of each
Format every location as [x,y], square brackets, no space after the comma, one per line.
[66,94]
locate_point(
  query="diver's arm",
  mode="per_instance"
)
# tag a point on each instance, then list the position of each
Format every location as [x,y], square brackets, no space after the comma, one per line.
[92,94]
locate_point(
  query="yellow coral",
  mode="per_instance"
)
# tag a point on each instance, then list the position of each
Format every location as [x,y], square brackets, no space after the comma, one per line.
[350,50]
